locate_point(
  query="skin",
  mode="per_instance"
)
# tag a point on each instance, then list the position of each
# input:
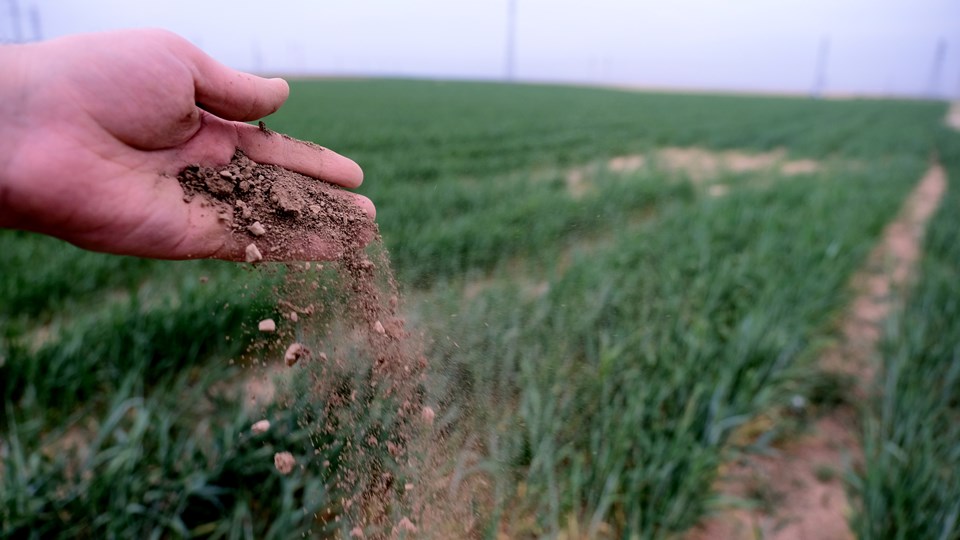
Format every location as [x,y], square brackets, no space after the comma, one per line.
[95,128]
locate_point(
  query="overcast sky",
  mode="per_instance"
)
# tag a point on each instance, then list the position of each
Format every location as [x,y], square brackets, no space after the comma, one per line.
[885,47]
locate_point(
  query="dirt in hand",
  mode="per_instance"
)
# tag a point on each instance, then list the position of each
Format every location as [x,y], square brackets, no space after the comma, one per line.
[278,214]
[339,332]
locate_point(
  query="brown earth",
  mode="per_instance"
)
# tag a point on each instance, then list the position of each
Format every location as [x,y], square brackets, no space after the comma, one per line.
[804,496]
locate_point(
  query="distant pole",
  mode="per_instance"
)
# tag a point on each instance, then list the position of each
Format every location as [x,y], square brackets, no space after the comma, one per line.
[820,75]
[933,83]
[15,21]
[511,39]
[35,23]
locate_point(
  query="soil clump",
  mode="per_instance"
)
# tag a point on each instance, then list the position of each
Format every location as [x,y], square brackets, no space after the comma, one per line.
[275,210]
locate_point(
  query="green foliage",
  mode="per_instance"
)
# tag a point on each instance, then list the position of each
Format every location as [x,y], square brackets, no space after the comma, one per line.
[600,347]
[631,370]
[147,468]
[910,485]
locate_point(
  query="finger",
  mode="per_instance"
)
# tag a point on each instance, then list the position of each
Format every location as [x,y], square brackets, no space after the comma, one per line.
[364,203]
[265,146]
[232,94]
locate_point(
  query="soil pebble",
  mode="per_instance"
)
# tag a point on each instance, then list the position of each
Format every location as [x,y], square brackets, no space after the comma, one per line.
[259,427]
[284,462]
[257,229]
[252,253]
[357,532]
[267,325]
[295,352]
[406,525]
[428,415]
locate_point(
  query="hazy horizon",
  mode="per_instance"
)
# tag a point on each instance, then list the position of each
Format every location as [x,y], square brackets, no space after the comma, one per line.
[886,48]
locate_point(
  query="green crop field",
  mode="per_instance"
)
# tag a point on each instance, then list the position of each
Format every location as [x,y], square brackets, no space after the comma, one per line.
[610,283]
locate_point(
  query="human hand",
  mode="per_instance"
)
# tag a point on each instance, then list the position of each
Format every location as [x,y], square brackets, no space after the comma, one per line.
[96,127]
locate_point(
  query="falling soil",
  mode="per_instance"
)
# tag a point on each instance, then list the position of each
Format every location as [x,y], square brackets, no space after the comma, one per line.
[359,380]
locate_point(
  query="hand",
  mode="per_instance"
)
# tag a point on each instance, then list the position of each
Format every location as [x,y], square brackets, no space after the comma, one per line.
[96,127]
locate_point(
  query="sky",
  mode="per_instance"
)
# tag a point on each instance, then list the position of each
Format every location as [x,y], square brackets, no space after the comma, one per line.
[865,47]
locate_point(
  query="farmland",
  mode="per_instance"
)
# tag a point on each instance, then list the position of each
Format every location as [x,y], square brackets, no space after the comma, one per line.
[610,285]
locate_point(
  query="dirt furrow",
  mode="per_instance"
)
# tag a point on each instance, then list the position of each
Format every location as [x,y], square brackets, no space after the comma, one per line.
[953,116]
[804,495]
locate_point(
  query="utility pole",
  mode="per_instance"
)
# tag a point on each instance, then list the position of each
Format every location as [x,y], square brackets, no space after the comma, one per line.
[35,23]
[933,83]
[511,39]
[820,75]
[15,26]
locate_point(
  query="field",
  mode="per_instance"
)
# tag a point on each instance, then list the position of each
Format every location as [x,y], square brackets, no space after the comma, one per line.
[613,287]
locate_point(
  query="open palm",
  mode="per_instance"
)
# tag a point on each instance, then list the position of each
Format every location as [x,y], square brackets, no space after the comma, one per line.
[97,126]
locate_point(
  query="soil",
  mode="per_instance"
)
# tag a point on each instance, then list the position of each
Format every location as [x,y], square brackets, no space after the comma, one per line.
[337,327]
[700,165]
[272,209]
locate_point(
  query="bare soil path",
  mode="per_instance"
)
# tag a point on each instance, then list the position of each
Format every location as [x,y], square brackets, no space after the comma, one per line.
[803,493]
[953,116]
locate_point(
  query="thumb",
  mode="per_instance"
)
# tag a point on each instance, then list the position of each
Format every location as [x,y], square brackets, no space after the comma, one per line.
[232,94]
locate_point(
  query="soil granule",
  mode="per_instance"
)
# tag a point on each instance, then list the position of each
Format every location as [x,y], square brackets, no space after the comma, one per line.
[284,462]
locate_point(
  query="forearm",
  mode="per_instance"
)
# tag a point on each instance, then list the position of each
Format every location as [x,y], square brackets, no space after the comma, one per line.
[14,92]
